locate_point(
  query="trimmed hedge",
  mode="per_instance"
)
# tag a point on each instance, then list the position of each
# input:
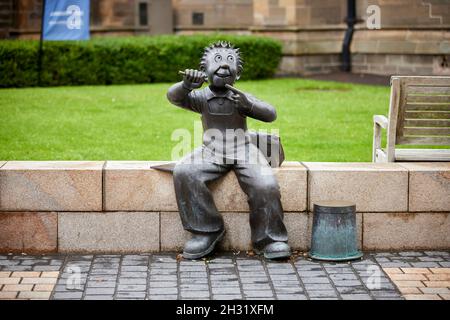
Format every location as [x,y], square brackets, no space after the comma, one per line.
[139,59]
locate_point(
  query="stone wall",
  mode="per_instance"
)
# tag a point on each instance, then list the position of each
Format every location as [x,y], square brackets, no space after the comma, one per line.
[125,206]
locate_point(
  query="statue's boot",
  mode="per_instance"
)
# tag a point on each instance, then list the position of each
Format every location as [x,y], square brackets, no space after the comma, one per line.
[275,250]
[202,244]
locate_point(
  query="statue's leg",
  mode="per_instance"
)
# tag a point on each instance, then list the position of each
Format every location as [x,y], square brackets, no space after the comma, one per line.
[195,202]
[266,212]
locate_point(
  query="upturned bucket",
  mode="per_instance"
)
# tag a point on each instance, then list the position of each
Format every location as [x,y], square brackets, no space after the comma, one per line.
[334,234]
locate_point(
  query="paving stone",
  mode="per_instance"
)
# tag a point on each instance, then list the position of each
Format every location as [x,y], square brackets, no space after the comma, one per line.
[17,287]
[133,263]
[46,268]
[286,290]
[99,291]
[34,295]
[286,283]
[424,264]
[322,293]
[63,288]
[162,284]
[39,280]
[318,286]
[422,297]
[194,294]
[134,268]
[163,291]
[163,297]
[100,284]
[385,293]
[250,287]
[19,268]
[133,274]
[343,276]
[226,290]
[132,281]
[395,265]
[98,297]
[131,287]
[134,295]
[5,280]
[309,274]
[351,290]
[4,295]
[291,297]
[190,287]
[409,254]
[105,272]
[356,297]
[437,253]
[257,294]
[347,283]
[226,297]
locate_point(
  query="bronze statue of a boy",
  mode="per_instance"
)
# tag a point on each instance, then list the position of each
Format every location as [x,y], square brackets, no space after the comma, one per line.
[224,109]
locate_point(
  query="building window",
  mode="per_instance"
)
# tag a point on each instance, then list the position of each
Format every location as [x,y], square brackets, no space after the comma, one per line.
[143,13]
[197,18]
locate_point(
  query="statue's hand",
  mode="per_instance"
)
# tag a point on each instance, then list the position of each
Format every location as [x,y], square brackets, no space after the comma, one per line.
[193,79]
[240,98]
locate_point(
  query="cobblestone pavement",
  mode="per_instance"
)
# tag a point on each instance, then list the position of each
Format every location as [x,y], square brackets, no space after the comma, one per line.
[393,276]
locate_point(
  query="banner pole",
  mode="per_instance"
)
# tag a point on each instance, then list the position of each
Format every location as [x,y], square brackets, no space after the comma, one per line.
[41,40]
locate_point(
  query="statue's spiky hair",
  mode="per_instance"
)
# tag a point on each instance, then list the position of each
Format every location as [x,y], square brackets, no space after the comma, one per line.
[222,45]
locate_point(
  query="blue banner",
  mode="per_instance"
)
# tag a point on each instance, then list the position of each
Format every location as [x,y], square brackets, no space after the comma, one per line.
[66,20]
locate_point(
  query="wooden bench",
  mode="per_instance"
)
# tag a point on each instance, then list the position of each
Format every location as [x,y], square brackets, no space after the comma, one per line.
[419,115]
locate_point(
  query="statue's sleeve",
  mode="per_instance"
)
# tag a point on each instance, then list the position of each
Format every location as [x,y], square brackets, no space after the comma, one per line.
[260,110]
[184,98]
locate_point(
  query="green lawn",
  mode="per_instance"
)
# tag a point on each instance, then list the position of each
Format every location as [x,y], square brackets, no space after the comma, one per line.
[317,120]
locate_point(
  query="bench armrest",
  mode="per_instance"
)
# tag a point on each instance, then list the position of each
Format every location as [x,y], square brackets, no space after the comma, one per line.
[382,121]
[378,123]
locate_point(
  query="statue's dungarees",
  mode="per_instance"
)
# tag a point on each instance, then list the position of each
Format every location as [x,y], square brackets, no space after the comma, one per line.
[192,174]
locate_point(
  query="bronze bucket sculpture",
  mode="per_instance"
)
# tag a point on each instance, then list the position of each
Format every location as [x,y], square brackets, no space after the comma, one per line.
[334,234]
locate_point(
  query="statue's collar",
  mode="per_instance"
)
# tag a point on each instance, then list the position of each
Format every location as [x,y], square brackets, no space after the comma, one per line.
[212,94]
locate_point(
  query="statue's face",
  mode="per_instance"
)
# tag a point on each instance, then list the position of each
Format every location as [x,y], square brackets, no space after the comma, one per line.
[221,67]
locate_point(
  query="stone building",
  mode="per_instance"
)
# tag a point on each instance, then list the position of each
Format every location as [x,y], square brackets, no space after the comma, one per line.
[22,18]
[410,36]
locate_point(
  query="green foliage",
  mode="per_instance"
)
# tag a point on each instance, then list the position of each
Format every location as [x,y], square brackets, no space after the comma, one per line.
[128,60]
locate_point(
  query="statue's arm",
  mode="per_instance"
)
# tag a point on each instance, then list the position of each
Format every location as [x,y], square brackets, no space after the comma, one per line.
[251,107]
[181,96]
[260,110]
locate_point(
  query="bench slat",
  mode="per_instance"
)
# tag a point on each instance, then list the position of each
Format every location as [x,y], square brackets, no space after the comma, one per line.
[427,107]
[426,131]
[422,154]
[428,98]
[427,123]
[427,115]
[428,90]
[431,141]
